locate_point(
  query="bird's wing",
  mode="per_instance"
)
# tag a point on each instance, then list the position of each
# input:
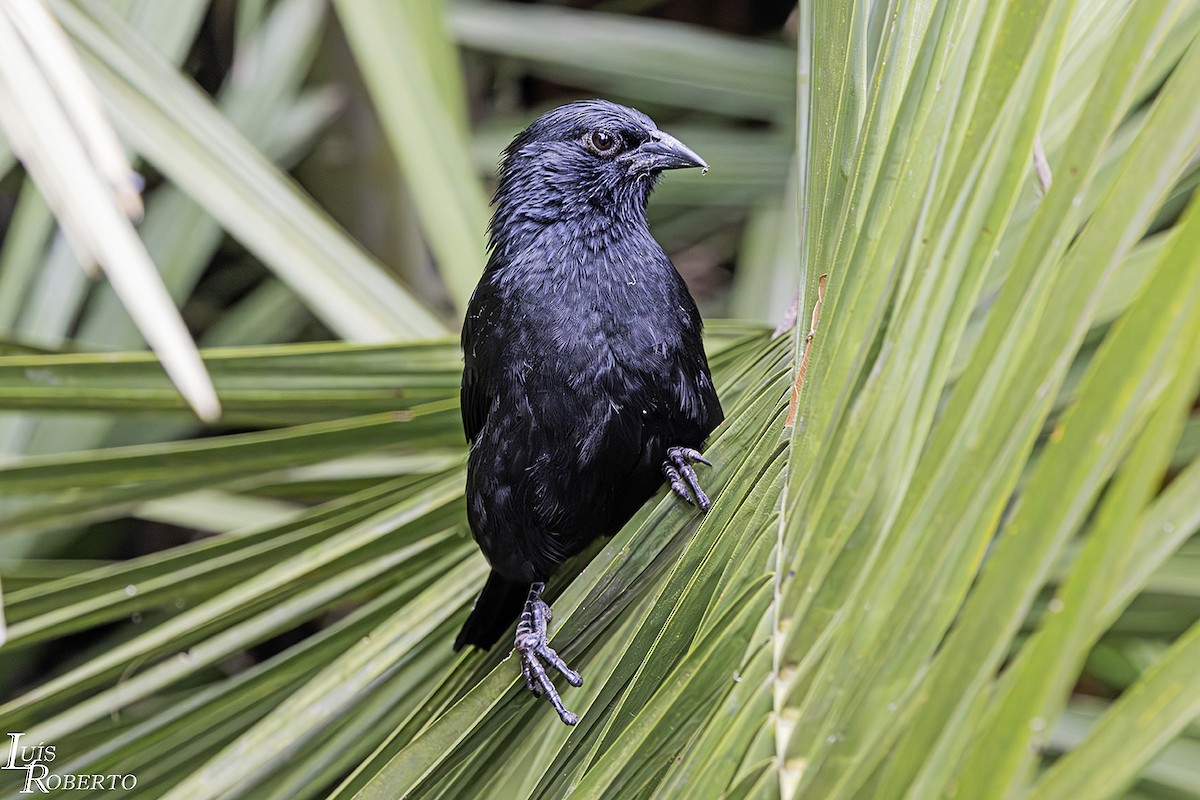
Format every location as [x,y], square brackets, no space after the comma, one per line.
[475,394]
[472,395]
[473,405]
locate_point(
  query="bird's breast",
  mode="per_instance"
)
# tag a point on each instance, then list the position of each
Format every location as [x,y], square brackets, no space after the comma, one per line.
[610,317]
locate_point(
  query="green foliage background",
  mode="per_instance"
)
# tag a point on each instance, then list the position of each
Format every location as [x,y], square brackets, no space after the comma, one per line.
[965,567]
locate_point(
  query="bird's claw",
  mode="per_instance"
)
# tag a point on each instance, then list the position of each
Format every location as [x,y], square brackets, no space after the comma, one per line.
[532,644]
[682,476]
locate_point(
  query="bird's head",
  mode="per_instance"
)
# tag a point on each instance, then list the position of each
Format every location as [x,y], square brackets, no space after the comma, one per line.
[586,160]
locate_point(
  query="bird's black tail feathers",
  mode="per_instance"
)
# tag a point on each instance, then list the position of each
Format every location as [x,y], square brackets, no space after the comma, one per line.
[497,607]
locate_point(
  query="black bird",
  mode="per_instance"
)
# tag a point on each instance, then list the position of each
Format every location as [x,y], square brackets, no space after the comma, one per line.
[586,381]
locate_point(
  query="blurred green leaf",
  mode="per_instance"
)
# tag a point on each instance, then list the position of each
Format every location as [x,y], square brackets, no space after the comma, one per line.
[53,121]
[642,59]
[407,62]
[171,124]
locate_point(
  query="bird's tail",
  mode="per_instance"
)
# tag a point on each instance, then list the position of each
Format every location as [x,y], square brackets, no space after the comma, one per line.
[497,607]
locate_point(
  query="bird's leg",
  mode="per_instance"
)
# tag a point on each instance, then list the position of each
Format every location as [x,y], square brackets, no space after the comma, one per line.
[678,470]
[533,646]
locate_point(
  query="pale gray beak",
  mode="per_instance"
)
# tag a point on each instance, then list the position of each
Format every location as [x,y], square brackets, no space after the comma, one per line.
[664,151]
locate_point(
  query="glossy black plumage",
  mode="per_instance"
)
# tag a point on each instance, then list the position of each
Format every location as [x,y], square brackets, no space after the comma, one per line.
[584,362]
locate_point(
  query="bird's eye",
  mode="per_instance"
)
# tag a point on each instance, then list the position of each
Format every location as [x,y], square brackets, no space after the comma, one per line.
[602,142]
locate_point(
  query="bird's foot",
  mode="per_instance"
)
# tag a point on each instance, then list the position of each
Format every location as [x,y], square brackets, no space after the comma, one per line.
[679,471]
[532,644]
